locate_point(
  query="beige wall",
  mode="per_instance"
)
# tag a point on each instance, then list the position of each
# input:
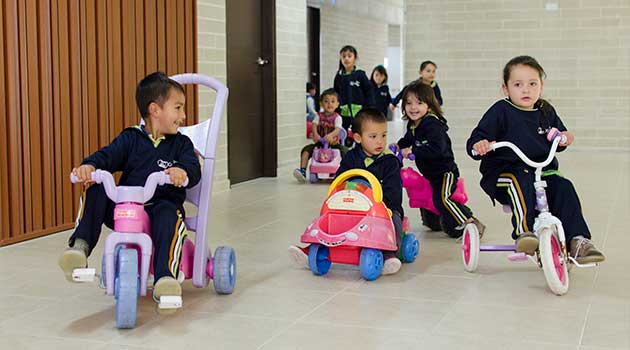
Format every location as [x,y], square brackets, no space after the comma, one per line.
[584,47]
[291,66]
[362,24]
[211,57]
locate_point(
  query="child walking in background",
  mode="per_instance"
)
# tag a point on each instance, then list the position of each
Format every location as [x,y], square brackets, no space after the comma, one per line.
[428,71]
[352,86]
[524,119]
[326,125]
[311,109]
[427,139]
[382,97]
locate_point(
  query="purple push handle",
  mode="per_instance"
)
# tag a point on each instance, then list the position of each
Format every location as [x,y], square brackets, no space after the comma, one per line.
[397,153]
[107,179]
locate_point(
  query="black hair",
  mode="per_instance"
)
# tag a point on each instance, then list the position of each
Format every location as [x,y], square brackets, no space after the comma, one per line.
[155,87]
[309,86]
[328,92]
[544,106]
[381,70]
[424,93]
[347,48]
[424,64]
[367,114]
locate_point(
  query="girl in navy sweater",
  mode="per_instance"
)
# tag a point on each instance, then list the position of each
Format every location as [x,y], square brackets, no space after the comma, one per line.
[382,97]
[524,119]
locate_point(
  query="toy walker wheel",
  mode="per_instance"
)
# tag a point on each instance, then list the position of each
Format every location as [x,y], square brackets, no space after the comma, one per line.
[430,219]
[470,247]
[318,260]
[371,263]
[410,247]
[127,288]
[103,280]
[553,262]
[312,177]
[224,270]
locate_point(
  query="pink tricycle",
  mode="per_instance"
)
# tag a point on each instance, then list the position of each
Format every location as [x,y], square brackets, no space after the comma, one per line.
[325,160]
[354,227]
[128,249]
[420,195]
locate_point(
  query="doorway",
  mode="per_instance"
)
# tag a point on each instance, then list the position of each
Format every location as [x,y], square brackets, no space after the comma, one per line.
[251,78]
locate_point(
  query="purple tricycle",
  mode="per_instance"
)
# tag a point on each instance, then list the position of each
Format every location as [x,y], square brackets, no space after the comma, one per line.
[128,249]
[552,253]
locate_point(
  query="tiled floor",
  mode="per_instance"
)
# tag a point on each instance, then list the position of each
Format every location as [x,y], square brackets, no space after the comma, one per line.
[430,304]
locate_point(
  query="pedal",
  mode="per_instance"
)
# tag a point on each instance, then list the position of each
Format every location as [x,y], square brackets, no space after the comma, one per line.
[170,302]
[83,275]
[517,257]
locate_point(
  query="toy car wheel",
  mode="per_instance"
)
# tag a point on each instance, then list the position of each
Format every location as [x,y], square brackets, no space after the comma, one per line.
[313,178]
[371,263]
[224,270]
[430,219]
[103,279]
[410,247]
[470,248]
[127,288]
[553,263]
[318,260]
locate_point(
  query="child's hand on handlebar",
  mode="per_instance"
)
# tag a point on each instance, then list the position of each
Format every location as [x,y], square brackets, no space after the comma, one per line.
[178,175]
[482,147]
[405,152]
[84,173]
[329,138]
[568,139]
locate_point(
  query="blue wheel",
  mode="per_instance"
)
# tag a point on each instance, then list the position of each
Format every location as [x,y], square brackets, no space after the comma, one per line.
[224,270]
[410,247]
[312,177]
[127,288]
[318,260]
[371,263]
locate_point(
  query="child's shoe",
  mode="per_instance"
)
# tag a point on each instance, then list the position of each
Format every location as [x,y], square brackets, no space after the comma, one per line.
[300,175]
[166,286]
[391,266]
[74,257]
[527,243]
[584,251]
[298,256]
[480,227]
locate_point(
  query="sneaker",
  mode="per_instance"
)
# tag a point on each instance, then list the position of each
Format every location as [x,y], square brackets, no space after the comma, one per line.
[584,251]
[391,266]
[527,243]
[166,286]
[300,175]
[74,257]
[299,257]
[480,227]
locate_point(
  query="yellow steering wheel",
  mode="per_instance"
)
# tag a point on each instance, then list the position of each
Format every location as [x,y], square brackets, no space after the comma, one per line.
[377,191]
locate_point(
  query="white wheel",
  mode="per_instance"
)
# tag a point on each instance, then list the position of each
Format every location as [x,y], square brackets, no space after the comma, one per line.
[470,247]
[553,263]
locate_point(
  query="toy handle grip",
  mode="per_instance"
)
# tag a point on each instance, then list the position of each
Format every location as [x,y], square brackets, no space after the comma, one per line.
[394,148]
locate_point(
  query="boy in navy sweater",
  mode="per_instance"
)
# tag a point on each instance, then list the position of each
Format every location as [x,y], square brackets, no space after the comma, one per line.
[137,152]
[370,132]
[427,139]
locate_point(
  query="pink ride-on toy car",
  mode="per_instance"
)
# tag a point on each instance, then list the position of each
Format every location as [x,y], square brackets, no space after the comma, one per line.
[552,253]
[420,195]
[325,160]
[128,249]
[354,227]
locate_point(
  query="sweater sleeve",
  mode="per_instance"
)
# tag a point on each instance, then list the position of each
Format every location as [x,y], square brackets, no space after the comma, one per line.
[337,88]
[188,161]
[368,91]
[396,99]
[112,157]
[438,94]
[487,129]
[406,140]
[392,184]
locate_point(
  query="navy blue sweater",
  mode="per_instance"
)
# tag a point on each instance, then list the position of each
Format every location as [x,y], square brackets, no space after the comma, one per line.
[355,91]
[382,98]
[431,145]
[434,85]
[133,153]
[527,129]
[385,167]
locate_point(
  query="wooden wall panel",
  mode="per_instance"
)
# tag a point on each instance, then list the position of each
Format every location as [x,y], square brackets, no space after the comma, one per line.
[69,69]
